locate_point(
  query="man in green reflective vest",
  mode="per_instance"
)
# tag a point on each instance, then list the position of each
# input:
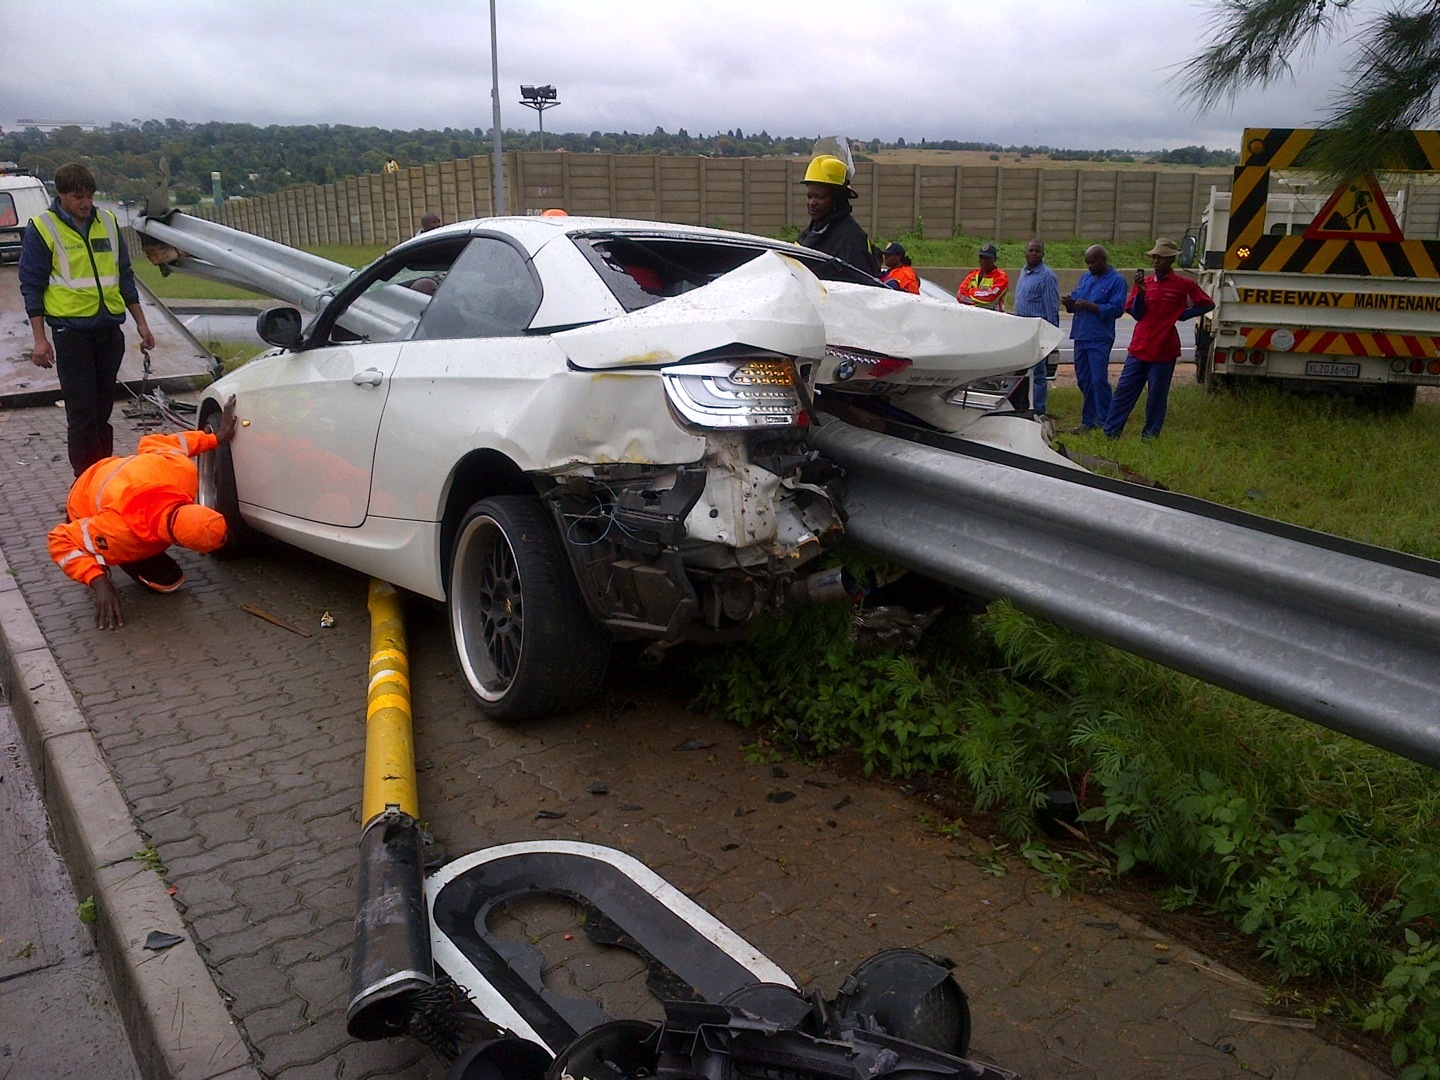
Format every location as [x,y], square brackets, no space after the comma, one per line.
[75,277]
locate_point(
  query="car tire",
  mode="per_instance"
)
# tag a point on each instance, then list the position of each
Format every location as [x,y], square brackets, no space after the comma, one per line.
[217,491]
[523,638]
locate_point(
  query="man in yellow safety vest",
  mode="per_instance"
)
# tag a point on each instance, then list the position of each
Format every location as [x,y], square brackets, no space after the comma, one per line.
[75,278]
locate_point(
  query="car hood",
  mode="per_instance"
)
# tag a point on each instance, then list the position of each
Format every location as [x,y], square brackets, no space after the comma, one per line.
[947,343]
[770,303]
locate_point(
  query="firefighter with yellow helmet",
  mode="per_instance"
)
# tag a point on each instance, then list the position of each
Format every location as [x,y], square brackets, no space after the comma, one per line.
[833,228]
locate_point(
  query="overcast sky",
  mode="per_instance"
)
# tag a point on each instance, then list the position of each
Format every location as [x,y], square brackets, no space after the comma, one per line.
[1065,73]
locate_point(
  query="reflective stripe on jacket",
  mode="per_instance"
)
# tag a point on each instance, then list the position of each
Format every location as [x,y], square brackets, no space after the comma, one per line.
[84,270]
[119,508]
[984,290]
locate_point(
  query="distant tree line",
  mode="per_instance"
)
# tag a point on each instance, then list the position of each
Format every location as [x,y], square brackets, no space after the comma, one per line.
[125,157]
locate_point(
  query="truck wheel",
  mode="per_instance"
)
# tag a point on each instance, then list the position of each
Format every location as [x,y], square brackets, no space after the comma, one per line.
[217,491]
[1394,398]
[1202,356]
[525,642]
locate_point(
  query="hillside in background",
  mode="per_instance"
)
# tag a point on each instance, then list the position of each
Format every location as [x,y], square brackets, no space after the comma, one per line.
[256,161]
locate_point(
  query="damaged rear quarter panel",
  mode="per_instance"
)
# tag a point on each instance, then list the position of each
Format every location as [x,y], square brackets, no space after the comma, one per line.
[530,406]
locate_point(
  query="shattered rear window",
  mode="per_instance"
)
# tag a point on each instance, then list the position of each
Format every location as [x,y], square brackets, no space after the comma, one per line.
[642,269]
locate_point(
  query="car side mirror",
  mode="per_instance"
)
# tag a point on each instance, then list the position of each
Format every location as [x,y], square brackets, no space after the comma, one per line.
[279,326]
[1187,250]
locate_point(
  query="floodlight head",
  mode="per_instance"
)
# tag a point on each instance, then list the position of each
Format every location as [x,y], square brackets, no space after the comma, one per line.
[529,91]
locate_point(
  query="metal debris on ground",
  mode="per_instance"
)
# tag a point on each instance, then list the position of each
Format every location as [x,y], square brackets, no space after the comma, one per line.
[327,621]
[260,613]
[150,408]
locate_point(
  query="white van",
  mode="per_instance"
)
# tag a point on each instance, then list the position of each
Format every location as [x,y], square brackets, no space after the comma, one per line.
[22,196]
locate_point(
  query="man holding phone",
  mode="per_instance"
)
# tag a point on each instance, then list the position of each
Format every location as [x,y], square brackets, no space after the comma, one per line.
[1158,301]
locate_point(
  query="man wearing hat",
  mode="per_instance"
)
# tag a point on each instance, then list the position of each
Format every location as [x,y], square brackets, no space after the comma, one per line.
[126,511]
[833,228]
[898,272]
[986,286]
[1158,301]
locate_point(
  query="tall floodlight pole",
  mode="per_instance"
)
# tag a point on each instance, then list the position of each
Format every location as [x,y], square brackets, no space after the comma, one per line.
[539,98]
[498,187]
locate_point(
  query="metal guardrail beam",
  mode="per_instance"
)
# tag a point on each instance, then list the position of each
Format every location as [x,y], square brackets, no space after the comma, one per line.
[1331,635]
[219,253]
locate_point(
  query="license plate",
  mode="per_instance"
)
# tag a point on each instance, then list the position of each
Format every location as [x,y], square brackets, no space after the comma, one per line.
[1332,370]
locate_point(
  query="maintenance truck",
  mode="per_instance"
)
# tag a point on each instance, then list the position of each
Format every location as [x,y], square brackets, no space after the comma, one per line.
[1335,290]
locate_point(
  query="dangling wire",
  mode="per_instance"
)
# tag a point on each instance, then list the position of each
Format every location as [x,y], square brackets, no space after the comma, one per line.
[152,407]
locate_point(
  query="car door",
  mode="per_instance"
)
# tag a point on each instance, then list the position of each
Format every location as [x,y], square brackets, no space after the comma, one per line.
[315,413]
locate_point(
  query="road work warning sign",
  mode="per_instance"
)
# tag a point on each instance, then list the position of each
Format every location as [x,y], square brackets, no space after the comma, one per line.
[1357,211]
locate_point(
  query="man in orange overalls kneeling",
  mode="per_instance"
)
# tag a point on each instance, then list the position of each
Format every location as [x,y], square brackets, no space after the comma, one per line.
[127,511]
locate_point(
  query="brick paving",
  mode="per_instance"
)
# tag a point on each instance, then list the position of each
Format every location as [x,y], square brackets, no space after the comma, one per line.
[238,746]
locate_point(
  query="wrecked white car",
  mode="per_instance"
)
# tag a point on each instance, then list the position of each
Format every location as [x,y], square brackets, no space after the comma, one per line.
[575,430]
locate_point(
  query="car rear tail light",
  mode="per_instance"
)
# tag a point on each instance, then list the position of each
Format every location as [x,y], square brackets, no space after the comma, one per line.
[855,364]
[754,393]
[1221,356]
[1257,357]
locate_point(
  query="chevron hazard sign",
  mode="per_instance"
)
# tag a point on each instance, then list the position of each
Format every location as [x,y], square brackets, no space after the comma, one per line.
[1355,233]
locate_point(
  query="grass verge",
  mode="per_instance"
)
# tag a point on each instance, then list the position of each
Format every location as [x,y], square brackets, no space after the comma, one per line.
[1320,850]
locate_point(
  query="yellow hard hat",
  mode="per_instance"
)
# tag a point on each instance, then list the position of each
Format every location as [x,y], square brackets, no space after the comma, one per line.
[826,169]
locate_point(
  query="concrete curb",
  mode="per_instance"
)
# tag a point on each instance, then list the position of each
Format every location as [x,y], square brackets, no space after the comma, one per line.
[177,1023]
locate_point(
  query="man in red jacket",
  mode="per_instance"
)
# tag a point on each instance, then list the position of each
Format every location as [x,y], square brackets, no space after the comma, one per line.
[985,287]
[127,511]
[1157,302]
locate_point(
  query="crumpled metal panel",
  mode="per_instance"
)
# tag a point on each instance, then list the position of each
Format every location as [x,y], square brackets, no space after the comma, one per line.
[1334,632]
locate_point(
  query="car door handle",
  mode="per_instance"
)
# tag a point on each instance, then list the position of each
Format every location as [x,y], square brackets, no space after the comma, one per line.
[368,377]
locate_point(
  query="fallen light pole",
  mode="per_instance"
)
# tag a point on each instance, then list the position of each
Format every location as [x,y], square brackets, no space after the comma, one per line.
[392,963]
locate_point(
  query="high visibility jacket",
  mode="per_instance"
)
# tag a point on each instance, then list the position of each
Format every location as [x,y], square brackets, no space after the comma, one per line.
[904,277]
[984,290]
[84,269]
[120,507]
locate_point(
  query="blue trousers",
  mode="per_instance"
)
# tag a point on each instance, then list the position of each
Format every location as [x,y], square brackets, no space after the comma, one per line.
[1039,387]
[1092,373]
[1138,375]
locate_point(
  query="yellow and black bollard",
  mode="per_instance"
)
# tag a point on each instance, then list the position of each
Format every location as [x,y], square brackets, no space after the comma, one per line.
[392,961]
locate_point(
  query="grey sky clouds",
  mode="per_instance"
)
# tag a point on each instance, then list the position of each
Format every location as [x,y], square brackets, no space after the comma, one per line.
[1057,72]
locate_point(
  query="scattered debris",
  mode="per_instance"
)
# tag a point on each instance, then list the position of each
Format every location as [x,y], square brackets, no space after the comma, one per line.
[158,940]
[779,796]
[549,815]
[599,787]
[327,621]
[892,625]
[1275,1021]
[694,744]
[251,609]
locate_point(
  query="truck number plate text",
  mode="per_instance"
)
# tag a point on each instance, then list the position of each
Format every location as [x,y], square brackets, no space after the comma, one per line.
[1331,369]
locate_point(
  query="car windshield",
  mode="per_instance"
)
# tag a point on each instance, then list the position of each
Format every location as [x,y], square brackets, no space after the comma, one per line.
[643,269]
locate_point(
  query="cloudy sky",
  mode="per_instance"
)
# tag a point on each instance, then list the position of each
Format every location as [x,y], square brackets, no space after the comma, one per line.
[1063,73]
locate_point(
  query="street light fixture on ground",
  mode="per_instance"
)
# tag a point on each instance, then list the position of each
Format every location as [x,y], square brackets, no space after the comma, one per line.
[539,98]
